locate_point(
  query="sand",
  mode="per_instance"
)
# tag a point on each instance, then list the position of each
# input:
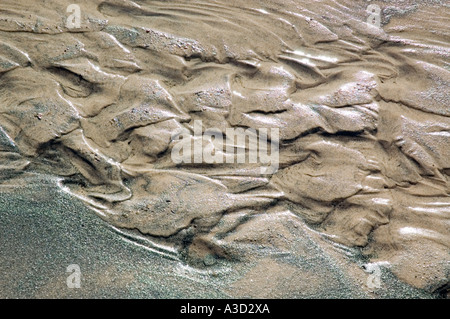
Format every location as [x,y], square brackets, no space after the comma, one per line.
[361,111]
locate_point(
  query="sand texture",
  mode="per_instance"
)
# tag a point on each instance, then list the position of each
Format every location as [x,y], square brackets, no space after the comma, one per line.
[88,116]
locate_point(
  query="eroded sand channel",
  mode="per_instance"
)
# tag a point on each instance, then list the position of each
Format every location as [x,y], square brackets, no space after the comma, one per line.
[361,114]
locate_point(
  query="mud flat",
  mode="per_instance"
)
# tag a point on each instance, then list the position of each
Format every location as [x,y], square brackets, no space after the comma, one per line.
[96,95]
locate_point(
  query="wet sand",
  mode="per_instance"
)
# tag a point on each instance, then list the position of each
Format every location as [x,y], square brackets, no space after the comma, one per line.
[364,148]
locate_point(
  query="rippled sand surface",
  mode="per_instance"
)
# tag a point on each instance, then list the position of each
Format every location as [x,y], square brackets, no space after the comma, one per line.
[363,114]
